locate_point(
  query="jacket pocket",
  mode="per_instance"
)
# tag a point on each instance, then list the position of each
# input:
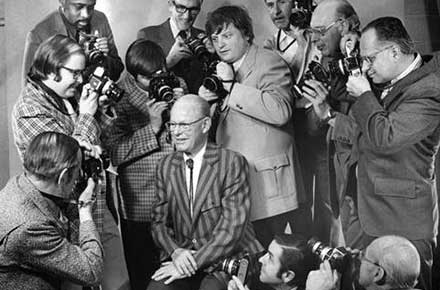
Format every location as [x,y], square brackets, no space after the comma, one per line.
[395,187]
[275,176]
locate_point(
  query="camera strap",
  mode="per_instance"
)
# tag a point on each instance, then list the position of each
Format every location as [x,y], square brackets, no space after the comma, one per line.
[279,42]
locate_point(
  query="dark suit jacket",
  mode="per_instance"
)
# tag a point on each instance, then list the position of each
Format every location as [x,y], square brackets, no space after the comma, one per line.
[220,226]
[34,250]
[396,143]
[53,24]
[190,69]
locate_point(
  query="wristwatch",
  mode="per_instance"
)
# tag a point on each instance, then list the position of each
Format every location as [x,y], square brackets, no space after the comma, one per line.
[330,115]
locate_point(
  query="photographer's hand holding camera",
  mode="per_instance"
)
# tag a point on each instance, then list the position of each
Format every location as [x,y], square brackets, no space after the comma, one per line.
[178,51]
[325,278]
[225,73]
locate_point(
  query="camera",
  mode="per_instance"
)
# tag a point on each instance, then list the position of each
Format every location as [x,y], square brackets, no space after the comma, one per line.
[198,48]
[246,267]
[213,83]
[347,66]
[162,85]
[315,71]
[339,258]
[88,43]
[104,85]
[301,14]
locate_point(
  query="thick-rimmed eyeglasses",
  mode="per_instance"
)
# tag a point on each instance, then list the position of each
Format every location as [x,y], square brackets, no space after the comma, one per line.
[323,30]
[75,72]
[363,258]
[181,9]
[183,126]
[372,57]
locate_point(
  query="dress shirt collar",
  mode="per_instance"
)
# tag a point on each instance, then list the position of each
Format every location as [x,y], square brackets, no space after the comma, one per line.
[175,30]
[198,157]
[239,62]
[413,66]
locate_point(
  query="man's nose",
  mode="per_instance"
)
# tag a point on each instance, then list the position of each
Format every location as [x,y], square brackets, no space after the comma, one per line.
[85,13]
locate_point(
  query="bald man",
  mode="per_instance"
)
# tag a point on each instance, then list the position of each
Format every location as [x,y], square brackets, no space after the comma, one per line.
[201,212]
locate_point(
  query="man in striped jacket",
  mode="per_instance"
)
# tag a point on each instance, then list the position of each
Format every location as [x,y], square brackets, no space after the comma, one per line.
[201,212]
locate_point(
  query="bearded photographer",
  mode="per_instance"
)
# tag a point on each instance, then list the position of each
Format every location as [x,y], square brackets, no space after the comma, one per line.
[285,266]
[48,103]
[75,19]
[172,36]
[395,128]
[389,262]
[138,141]
[35,249]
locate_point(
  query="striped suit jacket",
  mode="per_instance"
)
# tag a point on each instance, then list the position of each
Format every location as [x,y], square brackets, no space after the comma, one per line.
[220,226]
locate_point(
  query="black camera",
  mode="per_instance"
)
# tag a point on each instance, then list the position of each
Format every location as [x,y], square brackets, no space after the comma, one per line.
[162,85]
[197,47]
[88,43]
[339,258]
[246,267]
[315,71]
[103,85]
[347,66]
[213,83]
[301,14]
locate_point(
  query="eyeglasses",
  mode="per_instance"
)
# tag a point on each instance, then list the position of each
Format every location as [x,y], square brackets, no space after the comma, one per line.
[323,30]
[184,126]
[75,72]
[181,9]
[372,57]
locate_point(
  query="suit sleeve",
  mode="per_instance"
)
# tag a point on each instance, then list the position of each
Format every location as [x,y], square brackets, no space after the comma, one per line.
[389,131]
[162,232]
[41,246]
[125,142]
[30,47]
[114,62]
[271,101]
[235,214]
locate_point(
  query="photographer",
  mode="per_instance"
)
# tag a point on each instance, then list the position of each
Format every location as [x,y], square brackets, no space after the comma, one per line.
[74,18]
[138,141]
[35,250]
[395,128]
[286,264]
[389,262]
[47,103]
[171,36]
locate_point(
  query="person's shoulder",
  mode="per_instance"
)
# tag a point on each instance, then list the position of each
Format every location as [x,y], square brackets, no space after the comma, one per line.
[152,29]
[47,23]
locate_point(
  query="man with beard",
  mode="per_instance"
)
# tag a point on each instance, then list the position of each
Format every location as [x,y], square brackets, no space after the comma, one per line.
[171,35]
[48,103]
[73,18]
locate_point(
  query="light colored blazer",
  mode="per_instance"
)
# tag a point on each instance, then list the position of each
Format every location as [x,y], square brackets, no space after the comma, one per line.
[257,123]
[34,250]
[220,226]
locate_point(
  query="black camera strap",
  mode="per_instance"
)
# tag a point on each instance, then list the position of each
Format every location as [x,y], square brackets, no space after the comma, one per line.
[279,40]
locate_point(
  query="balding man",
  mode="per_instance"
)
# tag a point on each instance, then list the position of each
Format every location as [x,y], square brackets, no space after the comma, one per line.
[389,262]
[201,212]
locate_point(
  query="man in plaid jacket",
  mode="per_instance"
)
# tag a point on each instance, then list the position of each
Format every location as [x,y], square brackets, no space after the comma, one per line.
[47,103]
[138,142]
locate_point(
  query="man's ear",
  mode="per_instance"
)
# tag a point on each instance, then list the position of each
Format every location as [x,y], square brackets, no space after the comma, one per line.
[206,125]
[287,276]
[380,276]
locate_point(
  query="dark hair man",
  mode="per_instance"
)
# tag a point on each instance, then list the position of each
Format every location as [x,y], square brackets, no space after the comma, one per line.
[201,211]
[71,18]
[395,127]
[171,36]
[48,103]
[286,264]
[35,250]
[255,120]
[138,141]
[389,262]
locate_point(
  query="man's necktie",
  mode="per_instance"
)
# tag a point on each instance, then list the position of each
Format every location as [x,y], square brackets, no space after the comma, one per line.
[190,163]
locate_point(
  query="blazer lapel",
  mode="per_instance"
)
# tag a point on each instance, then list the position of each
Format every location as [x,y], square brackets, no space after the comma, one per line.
[167,35]
[179,188]
[248,64]
[207,177]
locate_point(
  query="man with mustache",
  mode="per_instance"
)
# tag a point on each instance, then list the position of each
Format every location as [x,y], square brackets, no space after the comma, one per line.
[74,18]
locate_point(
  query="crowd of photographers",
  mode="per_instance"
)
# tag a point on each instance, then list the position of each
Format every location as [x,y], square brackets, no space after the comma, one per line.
[179,172]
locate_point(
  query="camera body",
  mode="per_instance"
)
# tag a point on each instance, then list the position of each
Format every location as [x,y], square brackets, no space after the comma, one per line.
[213,83]
[162,85]
[301,14]
[104,85]
[246,267]
[347,66]
[88,43]
[339,258]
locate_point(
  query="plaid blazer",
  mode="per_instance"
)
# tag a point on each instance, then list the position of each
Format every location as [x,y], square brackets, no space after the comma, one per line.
[220,226]
[136,150]
[38,111]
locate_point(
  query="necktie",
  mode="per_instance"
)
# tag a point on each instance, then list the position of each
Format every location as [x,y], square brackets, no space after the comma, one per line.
[190,163]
